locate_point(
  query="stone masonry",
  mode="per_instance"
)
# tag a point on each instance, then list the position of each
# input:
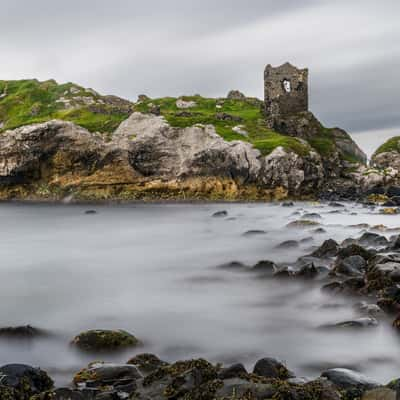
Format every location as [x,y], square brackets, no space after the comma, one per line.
[285,91]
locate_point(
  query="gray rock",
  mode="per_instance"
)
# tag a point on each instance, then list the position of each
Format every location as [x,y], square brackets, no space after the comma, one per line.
[329,248]
[288,244]
[348,379]
[350,266]
[373,239]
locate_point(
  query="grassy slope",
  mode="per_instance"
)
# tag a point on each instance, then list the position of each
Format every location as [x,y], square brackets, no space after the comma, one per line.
[31,101]
[248,110]
[393,144]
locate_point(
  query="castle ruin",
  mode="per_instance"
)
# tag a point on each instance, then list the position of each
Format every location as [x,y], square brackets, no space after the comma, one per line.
[285,91]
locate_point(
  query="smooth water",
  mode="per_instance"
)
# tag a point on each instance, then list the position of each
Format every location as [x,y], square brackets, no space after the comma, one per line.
[153,270]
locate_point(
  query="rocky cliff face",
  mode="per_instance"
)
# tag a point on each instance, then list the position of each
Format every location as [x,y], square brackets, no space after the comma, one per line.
[147,158]
[68,141]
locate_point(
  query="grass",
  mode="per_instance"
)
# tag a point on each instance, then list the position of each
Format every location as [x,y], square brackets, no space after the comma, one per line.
[249,112]
[393,144]
[30,101]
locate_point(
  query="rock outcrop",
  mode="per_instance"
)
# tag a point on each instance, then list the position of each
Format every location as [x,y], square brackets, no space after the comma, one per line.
[147,156]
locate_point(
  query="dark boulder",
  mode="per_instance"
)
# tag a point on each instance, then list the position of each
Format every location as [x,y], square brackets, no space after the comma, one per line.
[329,248]
[220,214]
[393,191]
[104,340]
[21,332]
[22,381]
[287,204]
[350,266]
[265,266]
[272,368]
[308,271]
[254,232]
[355,250]
[146,362]
[234,371]
[372,239]
[232,265]
[288,244]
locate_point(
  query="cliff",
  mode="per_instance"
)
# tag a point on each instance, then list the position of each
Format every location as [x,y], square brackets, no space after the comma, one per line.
[62,141]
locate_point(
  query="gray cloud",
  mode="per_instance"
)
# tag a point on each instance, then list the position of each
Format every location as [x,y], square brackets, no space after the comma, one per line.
[174,47]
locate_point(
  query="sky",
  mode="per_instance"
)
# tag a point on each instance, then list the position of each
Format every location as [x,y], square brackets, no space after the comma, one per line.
[176,47]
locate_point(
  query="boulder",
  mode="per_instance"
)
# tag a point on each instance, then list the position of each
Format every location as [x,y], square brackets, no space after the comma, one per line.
[20,382]
[147,363]
[100,374]
[349,379]
[234,371]
[271,368]
[350,266]
[302,223]
[21,332]
[329,248]
[180,103]
[219,214]
[354,250]
[288,244]
[104,340]
[235,95]
[373,240]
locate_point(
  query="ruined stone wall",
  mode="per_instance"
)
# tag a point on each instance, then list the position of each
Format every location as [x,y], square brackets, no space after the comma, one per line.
[285,90]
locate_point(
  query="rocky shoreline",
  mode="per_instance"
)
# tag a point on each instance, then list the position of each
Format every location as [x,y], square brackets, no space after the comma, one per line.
[366,267]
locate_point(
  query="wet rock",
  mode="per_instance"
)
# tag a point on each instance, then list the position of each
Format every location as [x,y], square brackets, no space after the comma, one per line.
[348,379]
[381,393]
[393,191]
[220,214]
[104,340]
[232,265]
[365,322]
[369,309]
[192,379]
[146,362]
[243,389]
[307,239]
[20,382]
[265,266]
[335,204]
[350,266]
[302,223]
[353,284]
[234,371]
[389,299]
[308,271]
[333,287]
[284,272]
[90,212]
[254,232]
[287,204]
[329,248]
[373,239]
[272,368]
[355,250]
[21,332]
[288,244]
[381,275]
[100,374]
[312,216]
[319,230]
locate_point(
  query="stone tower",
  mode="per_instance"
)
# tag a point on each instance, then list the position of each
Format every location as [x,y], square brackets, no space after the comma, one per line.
[285,91]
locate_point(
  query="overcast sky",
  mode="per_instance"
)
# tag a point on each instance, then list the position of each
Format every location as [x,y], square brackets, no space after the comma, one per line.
[174,47]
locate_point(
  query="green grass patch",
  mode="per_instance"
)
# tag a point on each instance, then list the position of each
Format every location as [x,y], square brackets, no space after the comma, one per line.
[30,101]
[393,144]
[247,114]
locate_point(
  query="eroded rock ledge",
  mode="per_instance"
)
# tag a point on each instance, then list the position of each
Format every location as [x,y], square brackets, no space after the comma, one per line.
[146,158]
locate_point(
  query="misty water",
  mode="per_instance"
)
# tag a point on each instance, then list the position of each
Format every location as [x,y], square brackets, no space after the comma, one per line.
[153,271]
